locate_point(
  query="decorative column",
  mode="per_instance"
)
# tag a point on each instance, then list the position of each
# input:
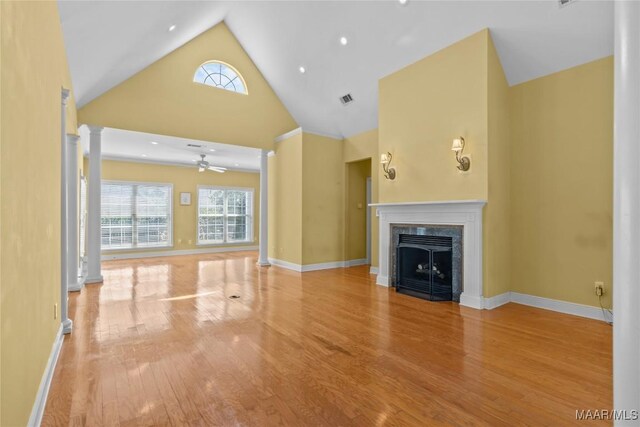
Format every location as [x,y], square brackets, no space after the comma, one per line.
[626,210]
[94,272]
[75,284]
[263,259]
[67,324]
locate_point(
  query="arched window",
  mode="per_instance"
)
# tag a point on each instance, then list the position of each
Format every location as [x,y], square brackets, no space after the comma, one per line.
[220,75]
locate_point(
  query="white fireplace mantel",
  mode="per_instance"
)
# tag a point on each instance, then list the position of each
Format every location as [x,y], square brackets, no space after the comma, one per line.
[467,213]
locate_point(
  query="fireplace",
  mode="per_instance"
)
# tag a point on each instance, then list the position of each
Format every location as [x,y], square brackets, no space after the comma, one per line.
[425,267]
[465,216]
[427,260]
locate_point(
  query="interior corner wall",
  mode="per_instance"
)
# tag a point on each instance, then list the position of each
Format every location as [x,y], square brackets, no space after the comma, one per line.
[163,99]
[183,179]
[361,147]
[562,183]
[422,108]
[496,215]
[285,201]
[31,35]
[322,200]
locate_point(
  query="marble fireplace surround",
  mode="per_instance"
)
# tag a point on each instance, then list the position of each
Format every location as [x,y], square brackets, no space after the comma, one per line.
[465,213]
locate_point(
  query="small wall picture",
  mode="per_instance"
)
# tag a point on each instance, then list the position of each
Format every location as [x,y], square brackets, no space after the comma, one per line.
[185,199]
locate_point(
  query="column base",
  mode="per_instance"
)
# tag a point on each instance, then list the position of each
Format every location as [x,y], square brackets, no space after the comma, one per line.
[263,264]
[75,286]
[95,279]
[67,326]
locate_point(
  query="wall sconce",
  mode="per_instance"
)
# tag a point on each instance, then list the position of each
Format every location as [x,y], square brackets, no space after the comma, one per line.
[464,163]
[385,160]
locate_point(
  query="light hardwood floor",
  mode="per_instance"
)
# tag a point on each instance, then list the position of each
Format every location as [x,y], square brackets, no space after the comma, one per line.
[162,343]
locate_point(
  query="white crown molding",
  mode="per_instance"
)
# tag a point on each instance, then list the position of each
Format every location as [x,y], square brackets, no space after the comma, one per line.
[35,419]
[167,163]
[155,254]
[288,135]
[323,134]
[300,130]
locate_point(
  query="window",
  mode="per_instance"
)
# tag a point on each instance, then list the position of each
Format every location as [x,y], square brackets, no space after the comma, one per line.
[135,215]
[220,75]
[224,215]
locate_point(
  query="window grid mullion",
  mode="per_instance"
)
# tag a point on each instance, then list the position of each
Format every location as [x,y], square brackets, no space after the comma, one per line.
[134,217]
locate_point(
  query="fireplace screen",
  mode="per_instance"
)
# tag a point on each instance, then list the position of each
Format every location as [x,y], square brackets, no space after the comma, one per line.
[424,267]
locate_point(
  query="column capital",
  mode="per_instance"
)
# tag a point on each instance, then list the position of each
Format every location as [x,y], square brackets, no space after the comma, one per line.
[95,130]
[72,138]
[65,96]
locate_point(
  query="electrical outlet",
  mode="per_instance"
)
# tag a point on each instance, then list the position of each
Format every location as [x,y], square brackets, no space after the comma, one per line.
[599,287]
[55,311]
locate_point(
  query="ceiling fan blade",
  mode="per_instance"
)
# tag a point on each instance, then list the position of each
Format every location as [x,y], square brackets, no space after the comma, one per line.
[217,169]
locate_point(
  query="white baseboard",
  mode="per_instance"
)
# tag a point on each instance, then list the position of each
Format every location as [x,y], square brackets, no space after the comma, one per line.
[286,264]
[559,306]
[355,262]
[43,391]
[314,267]
[496,301]
[382,280]
[154,254]
[373,270]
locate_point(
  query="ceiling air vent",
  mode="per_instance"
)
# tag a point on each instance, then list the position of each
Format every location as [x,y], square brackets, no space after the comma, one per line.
[564,3]
[194,145]
[346,99]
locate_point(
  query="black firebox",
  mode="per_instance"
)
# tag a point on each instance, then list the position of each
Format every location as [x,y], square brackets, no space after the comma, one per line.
[424,267]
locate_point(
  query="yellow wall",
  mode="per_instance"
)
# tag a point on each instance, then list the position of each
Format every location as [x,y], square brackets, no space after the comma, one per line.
[356,209]
[496,215]
[322,199]
[423,107]
[162,99]
[30,205]
[359,147]
[184,179]
[561,180]
[285,201]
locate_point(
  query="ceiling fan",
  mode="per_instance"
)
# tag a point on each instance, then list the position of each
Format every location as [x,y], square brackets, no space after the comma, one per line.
[203,165]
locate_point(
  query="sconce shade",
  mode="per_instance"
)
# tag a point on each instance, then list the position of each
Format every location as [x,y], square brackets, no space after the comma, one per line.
[384,158]
[458,144]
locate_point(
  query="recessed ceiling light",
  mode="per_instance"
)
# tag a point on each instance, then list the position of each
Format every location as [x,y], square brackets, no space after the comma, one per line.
[237,164]
[143,155]
[154,142]
[171,28]
[302,70]
[403,2]
[212,149]
[343,41]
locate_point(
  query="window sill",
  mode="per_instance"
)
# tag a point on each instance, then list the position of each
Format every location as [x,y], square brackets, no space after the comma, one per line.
[145,249]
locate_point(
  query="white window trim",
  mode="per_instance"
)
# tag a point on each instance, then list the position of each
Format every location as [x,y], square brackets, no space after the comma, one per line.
[144,248]
[251,237]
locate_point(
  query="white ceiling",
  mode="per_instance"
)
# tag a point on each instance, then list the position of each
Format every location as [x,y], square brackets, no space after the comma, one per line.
[126,145]
[107,42]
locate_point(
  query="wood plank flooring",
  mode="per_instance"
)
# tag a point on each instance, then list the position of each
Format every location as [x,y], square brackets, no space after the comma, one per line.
[162,342]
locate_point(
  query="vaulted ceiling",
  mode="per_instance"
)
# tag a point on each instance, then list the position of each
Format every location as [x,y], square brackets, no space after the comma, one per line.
[108,42]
